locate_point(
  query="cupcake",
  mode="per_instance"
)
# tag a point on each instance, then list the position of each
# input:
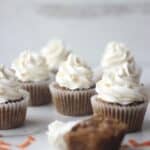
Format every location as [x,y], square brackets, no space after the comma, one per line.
[34,76]
[73,88]
[96,133]
[120,93]
[55,53]
[13,104]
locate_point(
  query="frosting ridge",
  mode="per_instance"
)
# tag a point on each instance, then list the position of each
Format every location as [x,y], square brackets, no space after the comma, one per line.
[55,53]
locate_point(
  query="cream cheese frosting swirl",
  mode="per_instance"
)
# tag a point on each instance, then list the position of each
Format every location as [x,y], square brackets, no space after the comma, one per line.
[9,91]
[116,54]
[6,73]
[74,74]
[109,89]
[55,53]
[121,80]
[30,66]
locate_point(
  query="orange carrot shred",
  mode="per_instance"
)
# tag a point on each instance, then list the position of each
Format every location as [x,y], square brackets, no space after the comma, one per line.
[4,147]
[31,138]
[146,143]
[27,142]
[133,143]
[4,143]
[136,144]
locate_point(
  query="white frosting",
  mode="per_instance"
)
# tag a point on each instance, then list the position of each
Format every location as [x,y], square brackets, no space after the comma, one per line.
[6,73]
[112,88]
[9,90]
[55,53]
[31,67]
[56,132]
[121,77]
[74,74]
[97,74]
[116,54]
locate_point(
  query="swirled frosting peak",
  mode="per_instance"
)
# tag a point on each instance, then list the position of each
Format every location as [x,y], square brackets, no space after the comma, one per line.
[115,90]
[120,81]
[74,74]
[9,91]
[55,53]
[30,66]
[6,73]
[116,54]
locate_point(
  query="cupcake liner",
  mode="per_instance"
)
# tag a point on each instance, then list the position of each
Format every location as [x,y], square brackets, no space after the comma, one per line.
[13,114]
[72,103]
[133,115]
[39,93]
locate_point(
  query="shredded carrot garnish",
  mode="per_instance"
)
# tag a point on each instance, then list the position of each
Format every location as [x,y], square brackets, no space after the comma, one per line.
[136,144]
[27,142]
[4,143]
[133,143]
[4,147]
[31,138]
[146,143]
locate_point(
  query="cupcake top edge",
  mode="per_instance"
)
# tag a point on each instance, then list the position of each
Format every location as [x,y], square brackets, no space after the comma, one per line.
[30,66]
[55,52]
[74,74]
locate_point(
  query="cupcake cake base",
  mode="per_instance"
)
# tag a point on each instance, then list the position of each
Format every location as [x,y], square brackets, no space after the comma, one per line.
[72,102]
[39,93]
[13,114]
[132,115]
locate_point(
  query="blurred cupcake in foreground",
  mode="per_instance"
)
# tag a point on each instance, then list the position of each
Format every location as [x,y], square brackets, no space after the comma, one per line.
[32,71]
[55,53]
[73,87]
[96,133]
[13,104]
[120,93]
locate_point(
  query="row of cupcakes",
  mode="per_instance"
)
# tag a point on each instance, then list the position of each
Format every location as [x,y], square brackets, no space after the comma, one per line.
[27,83]
[120,93]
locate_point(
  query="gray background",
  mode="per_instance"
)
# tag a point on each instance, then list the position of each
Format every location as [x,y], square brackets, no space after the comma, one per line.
[85,26]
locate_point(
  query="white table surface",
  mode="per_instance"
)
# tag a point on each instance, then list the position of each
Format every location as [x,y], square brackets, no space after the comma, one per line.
[37,122]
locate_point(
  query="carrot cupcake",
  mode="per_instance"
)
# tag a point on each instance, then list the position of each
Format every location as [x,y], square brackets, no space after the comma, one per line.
[32,71]
[13,104]
[73,87]
[55,53]
[120,93]
[96,133]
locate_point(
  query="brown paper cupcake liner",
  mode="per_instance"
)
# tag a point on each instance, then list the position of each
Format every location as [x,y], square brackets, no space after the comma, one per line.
[13,114]
[72,103]
[39,93]
[132,115]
